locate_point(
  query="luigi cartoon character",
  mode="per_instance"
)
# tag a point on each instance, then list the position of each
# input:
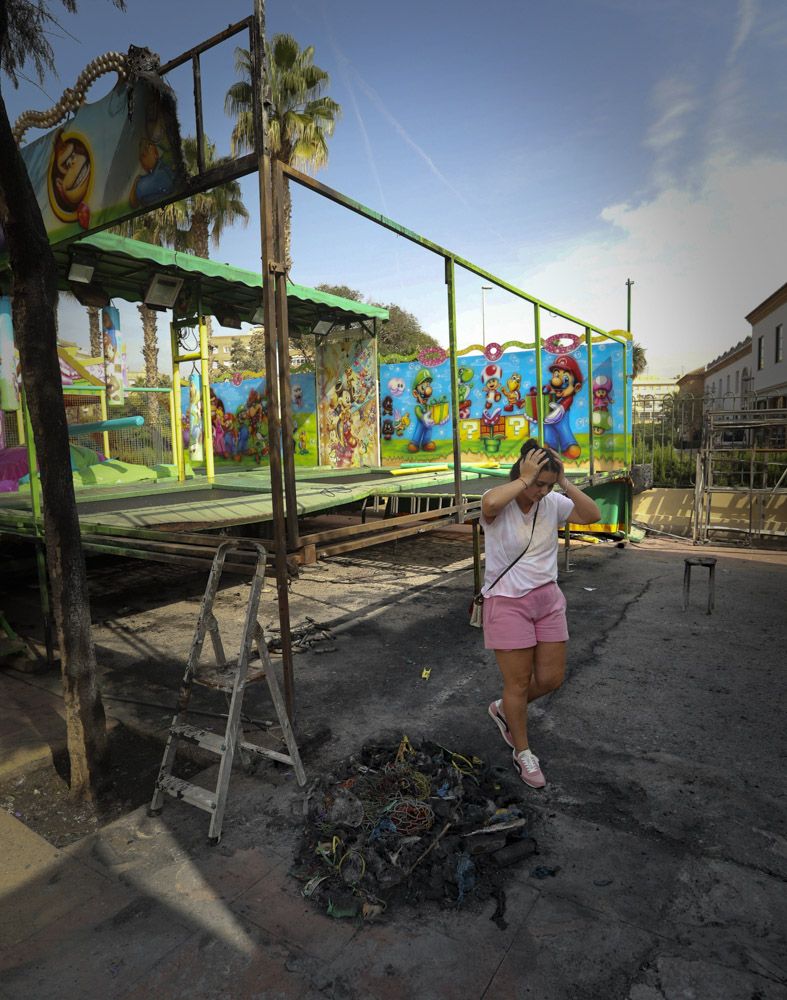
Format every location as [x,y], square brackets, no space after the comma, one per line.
[562,388]
[424,422]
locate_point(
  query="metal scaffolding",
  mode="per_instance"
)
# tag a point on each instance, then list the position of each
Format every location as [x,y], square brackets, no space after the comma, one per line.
[743,456]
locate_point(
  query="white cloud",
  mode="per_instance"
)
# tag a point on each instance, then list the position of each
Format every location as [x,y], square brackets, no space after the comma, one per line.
[747,12]
[701,258]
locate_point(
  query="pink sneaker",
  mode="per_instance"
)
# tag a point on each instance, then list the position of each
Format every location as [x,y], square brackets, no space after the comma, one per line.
[500,721]
[529,769]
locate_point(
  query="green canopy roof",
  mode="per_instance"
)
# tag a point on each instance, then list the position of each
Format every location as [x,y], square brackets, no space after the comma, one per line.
[124,267]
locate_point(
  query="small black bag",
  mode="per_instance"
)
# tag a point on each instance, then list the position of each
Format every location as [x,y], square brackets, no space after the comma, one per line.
[476,609]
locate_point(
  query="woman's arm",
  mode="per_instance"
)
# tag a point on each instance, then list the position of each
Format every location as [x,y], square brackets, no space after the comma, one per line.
[498,497]
[585,508]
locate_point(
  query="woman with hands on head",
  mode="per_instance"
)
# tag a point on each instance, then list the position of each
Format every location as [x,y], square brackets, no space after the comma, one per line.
[524,611]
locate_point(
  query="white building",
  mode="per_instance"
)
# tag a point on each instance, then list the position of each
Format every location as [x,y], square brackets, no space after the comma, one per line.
[728,378]
[769,365]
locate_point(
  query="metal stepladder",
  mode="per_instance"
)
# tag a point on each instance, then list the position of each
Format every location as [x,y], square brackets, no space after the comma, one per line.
[229,677]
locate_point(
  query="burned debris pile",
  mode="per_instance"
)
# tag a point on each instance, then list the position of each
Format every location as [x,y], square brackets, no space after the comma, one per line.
[409,824]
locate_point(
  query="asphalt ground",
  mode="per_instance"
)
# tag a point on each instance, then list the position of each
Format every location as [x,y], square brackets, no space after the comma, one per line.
[663,818]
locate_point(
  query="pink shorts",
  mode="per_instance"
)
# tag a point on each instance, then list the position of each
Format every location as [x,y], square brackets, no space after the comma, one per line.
[523,622]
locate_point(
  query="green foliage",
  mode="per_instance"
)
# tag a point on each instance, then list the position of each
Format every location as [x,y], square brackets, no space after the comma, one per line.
[401,335]
[639,359]
[25,29]
[300,119]
[671,466]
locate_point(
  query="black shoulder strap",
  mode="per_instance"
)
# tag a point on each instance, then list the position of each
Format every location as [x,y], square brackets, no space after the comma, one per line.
[480,593]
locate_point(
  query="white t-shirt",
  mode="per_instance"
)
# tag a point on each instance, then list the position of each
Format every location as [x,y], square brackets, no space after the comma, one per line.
[508,534]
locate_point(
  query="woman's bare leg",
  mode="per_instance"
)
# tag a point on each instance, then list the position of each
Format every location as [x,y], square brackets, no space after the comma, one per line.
[516,666]
[549,669]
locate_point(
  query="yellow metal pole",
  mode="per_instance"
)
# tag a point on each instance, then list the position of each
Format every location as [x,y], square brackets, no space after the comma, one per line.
[207,429]
[102,396]
[173,426]
[177,439]
[20,426]
[539,374]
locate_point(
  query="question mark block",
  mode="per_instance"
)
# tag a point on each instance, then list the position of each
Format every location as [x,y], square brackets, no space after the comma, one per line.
[517,427]
[469,430]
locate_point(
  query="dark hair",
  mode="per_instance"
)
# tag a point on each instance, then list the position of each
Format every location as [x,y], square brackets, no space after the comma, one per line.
[551,464]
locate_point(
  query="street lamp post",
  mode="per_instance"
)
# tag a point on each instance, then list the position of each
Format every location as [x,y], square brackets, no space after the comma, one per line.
[629,283]
[484,290]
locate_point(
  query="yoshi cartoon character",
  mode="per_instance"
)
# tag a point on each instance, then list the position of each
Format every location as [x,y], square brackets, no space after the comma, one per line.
[465,387]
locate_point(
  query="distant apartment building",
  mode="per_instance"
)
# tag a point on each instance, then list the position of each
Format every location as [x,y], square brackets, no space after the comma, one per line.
[221,348]
[768,363]
[653,387]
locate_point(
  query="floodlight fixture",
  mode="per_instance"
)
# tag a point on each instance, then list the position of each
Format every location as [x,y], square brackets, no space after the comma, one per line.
[323,327]
[228,316]
[81,271]
[258,315]
[91,294]
[162,291]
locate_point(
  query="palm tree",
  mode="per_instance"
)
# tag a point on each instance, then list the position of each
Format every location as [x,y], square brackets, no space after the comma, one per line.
[160,228]
[300,119]
[202,218]
[639,359]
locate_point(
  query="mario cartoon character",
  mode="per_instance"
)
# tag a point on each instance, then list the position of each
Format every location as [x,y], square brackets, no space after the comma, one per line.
[388,429]
[70,177]
[387,406]
[491,377]
[297,396]
[511,392]
[422,391]
[465,377]
[396,386]
[564,385]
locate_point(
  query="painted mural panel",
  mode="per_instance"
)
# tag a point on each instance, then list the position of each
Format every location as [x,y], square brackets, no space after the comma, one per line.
[347,389]
[415,417]
[117,155]
[498,405]
[239,420]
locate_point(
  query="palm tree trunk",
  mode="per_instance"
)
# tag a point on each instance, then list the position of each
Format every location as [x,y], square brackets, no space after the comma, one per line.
[150,357]
[287,225]
[96,349]
[34,303]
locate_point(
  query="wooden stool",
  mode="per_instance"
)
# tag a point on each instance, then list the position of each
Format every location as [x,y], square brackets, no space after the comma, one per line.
[710,563]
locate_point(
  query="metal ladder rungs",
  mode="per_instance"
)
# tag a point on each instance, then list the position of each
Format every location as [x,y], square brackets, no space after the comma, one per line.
[203,738]
[195,795]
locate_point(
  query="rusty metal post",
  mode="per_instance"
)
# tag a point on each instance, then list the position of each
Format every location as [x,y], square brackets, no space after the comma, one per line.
[285,387]
[258,76]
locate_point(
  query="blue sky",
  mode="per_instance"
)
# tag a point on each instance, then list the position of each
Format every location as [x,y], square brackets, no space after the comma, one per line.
[563,146]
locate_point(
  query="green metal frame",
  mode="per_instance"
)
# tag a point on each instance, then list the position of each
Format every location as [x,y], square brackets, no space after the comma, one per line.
[452,260]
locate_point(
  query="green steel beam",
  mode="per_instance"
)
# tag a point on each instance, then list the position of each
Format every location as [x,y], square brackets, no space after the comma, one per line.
[457,447]
[355,206]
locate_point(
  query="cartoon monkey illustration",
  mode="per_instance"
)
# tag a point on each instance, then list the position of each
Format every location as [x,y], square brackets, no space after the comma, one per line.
[70,176]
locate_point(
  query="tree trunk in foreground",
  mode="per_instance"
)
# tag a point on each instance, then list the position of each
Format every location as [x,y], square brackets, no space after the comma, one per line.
[34,309]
